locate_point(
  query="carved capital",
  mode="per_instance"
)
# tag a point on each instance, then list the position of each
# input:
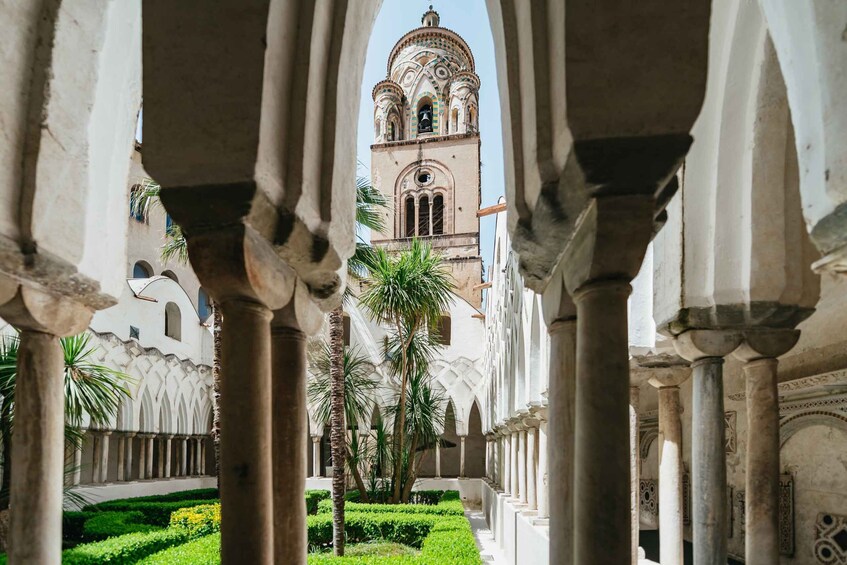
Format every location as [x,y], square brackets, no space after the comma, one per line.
[29,308]
[766,344]
[661,377]
[699,344]
[300,314]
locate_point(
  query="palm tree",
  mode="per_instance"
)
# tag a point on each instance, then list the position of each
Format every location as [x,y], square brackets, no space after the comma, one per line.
[408,291]
[90,389]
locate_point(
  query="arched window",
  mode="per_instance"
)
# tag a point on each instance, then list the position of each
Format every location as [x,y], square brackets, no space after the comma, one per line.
[425,117]
[173,321]
[472,126]
[410,217]
[171,275]
[142,270]
[203,307]
[423,216]
[377,129]
[392,131]
[454,121]
[438,215]
[442,329]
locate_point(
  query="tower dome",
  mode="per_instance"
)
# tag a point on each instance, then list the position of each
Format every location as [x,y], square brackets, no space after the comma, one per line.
[430,18]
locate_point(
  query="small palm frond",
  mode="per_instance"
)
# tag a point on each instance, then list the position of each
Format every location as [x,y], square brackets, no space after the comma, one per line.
[358,385]
[421,350]
[424,415]
[175,246]
[90,388]
[368,203]
[143,198]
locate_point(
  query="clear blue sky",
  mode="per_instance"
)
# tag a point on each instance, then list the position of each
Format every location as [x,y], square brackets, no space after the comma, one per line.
[468,18]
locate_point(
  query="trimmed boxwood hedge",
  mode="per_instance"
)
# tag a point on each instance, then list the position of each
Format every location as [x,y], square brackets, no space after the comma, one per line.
[313,497]
[102,525]
[447,508]
[198,520]
[202,551]
[127,548]
[408,529]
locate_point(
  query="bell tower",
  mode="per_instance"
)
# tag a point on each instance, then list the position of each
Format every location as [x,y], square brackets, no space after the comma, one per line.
[425,156]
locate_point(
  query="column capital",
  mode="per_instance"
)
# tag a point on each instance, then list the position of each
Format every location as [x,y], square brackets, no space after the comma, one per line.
[316,439]
[33,309]
[766,343]
[663,377]
[694,345]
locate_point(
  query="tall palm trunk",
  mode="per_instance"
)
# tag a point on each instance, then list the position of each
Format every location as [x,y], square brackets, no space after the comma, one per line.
[400,423]
[338,431]
[217,320]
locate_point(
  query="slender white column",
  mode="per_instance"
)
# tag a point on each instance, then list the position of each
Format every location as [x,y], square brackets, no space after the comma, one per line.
[161,448]
[531,467]
[514,461]
[438,459]
[183,459]
[104,457]
[97,438]
[129,446]
[168,451]
[316,456]
[507,462]
[149,471]
[78,462]
[634,460]
[462,456]
[522,465]
[667,380]
[142,457]
[121,458]
[203,456]
[543,479]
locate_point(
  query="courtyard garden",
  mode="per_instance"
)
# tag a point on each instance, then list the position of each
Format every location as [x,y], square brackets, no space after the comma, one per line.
[184,528]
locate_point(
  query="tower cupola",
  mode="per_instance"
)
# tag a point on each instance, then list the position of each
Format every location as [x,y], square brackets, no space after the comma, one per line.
[430,18]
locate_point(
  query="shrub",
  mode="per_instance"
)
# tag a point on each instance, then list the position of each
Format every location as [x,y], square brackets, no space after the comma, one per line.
[195,494]
[313,497]
[128,548]
[156,513]
[448,503]
[198,520]
[408,529]
[102,525]
[73,524]
[203,551]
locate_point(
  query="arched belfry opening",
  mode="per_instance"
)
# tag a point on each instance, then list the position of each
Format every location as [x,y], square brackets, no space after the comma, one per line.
[425,117]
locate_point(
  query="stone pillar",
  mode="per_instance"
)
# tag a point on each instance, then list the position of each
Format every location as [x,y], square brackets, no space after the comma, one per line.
[543,486]
[514,461]
[150,438]
[531,466]
[183,456]
[168,450]
[161,466]
[121,458]
[438,458]
[290,429]
[142,457]
[602,469]
[316,456]
[667,380]
[462,456]
[507,461]
[98,459]
[195,456]
[706,350]
[759,352]
[522,464]
[203,442]
[560,440]
[104,456]
[129,446]
[35,527]
[78,463]
[634,475]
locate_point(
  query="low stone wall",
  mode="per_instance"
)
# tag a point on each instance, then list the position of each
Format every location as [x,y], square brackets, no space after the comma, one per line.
[516,531]
[469,489]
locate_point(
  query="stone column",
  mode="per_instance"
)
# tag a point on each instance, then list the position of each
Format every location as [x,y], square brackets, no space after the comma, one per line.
[104,456]
[98,459]
[514,461]
[183,456]
[560,440]
[759,352]
[634,475]
[195,456]
[706,350]
[316,456]
[142,457]
[462,456]
[129,446]
[531,466]
[602,467]
[543,486]
[150,439]
[78,464]
[35,527]
[438,459]
[203,441]
[290,430]
[168,450]
[522,464]
[507,461]
[121,458]
[161,466]
[667,380]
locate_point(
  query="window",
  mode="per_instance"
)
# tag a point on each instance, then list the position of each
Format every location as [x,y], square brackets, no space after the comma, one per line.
[423,216]
[454,119]
[134,333]
[346,328]
[142,270]
[173,321]
[392,132]
[410,217]
[135,209]
[377,129]
[203,308]
[472,127]
[425,118]
[171,275]
[441,329]
[169,222]
[438,215]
